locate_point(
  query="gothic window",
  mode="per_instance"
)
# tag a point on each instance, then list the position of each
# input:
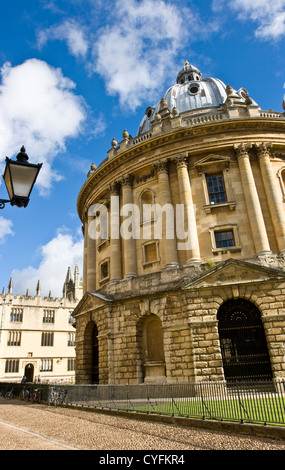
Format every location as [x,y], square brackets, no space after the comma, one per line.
[71,339]
[70,364]
[14,338]
[12,365]
[48,316]
[46,365]
[16,315]
[47,339]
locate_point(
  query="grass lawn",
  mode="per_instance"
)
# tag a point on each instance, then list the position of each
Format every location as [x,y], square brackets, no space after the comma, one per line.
[269,410]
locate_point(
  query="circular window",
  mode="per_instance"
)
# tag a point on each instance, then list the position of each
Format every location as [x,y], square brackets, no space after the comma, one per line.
[149,112]
[193,88]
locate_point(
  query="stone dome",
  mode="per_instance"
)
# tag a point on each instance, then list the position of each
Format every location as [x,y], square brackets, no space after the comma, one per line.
[192,93]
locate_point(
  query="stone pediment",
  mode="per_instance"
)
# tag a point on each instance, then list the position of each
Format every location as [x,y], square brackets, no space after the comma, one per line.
[212,159]
[91,300]
[232,272]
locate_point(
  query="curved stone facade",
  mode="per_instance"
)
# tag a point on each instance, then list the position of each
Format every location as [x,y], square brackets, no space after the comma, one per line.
[177,221]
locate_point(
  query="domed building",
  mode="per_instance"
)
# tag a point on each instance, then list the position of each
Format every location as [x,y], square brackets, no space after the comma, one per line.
[184,243]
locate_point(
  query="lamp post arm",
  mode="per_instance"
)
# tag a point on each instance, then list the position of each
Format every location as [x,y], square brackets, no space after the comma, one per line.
[3,202]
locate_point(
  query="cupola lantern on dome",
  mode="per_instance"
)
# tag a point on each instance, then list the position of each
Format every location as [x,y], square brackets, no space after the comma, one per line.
[195,95]
[188,73]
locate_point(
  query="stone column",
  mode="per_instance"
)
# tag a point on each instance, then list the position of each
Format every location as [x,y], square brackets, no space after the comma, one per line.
[191,246]
[273,194]
[168,232]
[128,241]
[84,232]
[91,253]
[115,242]
[252,202]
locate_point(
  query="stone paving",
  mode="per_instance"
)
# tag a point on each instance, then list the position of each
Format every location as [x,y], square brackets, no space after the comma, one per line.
[26,426]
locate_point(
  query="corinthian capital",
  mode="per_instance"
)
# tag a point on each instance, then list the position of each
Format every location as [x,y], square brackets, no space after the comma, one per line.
[127,180]
[242,149]
[161,166]
[263,149]
[181,160]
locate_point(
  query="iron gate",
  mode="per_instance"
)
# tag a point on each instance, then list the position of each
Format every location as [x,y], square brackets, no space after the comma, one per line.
[243,343]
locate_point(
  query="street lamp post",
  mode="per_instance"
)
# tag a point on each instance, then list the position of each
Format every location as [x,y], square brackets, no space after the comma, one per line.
[20,177]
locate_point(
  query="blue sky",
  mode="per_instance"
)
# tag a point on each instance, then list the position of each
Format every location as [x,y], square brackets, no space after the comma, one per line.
[76,73]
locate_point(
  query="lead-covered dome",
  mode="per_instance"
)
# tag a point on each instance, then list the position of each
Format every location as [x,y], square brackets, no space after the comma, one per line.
[191,92]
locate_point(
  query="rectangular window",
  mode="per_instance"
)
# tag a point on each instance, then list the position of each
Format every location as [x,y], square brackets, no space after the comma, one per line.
[150,251]
[14,338]
[216,188]
[12,365]
[104,270]
[16,315]
[46,365]
[71,339]
[71,364]
[47,339]
[224,239]
[48,316]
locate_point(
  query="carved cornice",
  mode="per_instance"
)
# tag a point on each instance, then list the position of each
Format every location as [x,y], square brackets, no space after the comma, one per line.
[225,134]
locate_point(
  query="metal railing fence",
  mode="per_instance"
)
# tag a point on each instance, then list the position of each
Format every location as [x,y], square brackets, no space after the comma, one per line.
[248,402]
[259,402]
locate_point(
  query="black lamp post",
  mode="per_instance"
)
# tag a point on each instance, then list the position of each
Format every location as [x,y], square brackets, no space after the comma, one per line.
[20,177]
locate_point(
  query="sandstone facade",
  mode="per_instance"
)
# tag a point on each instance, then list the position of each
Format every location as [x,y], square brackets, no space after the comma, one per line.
[151,310]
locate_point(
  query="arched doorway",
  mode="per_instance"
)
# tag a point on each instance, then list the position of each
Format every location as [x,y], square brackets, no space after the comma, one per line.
[29,372]
[243,343]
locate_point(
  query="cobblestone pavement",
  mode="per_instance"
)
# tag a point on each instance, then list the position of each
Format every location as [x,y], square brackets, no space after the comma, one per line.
[26,426]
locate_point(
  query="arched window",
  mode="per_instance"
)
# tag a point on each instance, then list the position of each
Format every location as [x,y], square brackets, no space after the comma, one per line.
[152,349]
[91,353]
[147,210]
[281,176]
[243,343]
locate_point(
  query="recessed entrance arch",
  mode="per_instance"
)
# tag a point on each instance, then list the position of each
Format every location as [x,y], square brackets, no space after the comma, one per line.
[29,372]
[243,343]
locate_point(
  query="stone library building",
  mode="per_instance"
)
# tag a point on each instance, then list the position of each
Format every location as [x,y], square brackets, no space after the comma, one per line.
[184,243]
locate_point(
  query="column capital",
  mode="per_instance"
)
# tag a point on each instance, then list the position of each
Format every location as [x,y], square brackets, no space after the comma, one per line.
[161,166]
[263,149]
[114,188]
[181,160]
[127,180]
[242,149]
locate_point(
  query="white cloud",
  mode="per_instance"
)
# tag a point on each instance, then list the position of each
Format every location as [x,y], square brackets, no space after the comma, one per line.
[69,31]
[5,228]
[268,15]
[63,251]
[136,53]
[38,109]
